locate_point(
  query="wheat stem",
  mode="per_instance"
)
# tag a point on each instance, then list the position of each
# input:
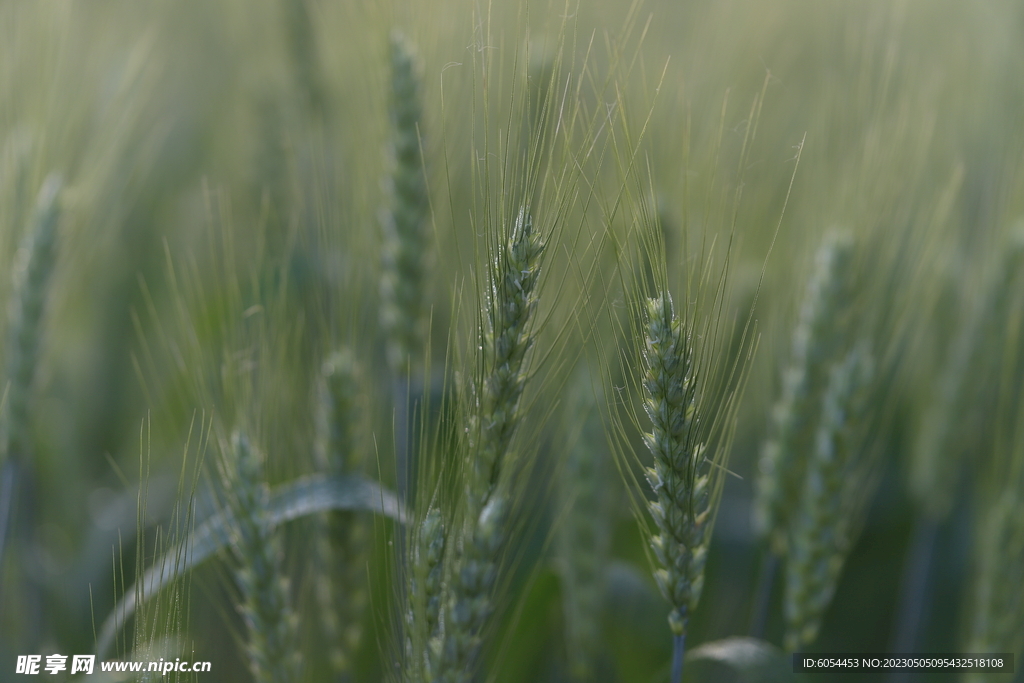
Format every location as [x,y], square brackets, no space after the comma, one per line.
[678,655]
[998,619]
[763,593]
[915,585]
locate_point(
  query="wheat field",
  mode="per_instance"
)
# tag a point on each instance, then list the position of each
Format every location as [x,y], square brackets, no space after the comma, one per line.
[455,342]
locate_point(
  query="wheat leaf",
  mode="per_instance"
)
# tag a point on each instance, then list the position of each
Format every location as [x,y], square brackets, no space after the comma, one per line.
[746,660]
[305,496]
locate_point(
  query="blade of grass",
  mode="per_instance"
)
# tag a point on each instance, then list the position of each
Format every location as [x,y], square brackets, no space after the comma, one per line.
[288,502]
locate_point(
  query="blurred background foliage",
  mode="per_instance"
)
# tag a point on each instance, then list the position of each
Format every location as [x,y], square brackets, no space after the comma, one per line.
[224,167]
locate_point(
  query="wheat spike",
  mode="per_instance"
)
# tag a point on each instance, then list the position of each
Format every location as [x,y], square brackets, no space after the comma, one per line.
[784,456]
[585,539]
[424,598]
[405,223]
[681,507]
[31,278]
[342,544]
[494,416]
[272,625]
[823,524]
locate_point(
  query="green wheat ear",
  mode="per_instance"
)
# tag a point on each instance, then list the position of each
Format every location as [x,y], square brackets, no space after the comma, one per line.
[997,617]
[302,46]
[336,449]
[585,534]
[405,222]
[937,456]
[679,478]
[997,623]
[822,525]
[32,273]
[494,415]
[424,593]
[509,336]
[342,545]
[271,623]
[784,456]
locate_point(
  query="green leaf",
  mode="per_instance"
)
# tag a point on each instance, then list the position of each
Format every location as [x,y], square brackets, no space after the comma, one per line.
[299,498]
[739,660]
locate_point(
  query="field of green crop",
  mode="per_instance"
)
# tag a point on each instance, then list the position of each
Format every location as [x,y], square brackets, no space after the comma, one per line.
[442,342]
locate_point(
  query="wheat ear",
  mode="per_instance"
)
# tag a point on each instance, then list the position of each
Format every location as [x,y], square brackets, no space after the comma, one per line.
[32,272]
[424,595]
[31,278]
[494,415]
[681,507]
[822,528]
[405,239]
[584,538]
[301,39]
[937,457]
[343,542]
[784,456]
[997,622]
[997,619]
[273,645]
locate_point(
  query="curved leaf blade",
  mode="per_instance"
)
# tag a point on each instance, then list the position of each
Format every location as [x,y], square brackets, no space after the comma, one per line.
[744,660]
[288,502]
